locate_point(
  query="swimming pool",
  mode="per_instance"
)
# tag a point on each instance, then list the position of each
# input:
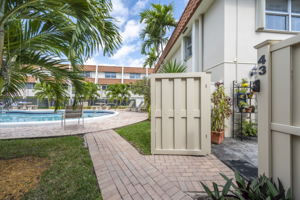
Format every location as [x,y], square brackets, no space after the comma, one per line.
[44,116]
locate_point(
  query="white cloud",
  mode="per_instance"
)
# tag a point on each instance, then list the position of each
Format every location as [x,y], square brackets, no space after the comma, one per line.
[119,11]
[90,61]
[131,31]
[124,51]
[138,62]
[139,6]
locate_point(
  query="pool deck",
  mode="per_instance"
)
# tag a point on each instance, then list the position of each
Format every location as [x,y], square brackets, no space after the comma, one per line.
[72,128]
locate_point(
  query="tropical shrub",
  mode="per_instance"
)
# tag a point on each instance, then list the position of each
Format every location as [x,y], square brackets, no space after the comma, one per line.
[89,93]
[119,93]
[261,188]
[52,91]
[249,128]
[221,108]
[142,87]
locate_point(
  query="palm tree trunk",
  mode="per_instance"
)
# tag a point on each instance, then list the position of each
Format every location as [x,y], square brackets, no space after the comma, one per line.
[49,103]
[2,7]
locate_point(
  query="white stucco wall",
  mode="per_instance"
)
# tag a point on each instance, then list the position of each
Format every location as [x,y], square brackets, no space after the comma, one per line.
[177,55]
[213,35]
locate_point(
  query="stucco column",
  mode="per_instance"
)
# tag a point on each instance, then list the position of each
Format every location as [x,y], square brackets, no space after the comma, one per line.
[195,47]
[122,75]
[200,43]
[96,76]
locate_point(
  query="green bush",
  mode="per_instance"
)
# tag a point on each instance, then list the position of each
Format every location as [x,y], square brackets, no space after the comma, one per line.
[249,129]
[261,188]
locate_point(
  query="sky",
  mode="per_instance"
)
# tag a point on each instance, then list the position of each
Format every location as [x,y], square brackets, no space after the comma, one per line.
[126,12]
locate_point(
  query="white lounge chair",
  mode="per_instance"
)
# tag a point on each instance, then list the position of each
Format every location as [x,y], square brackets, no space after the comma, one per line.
[72,112]
[130,106]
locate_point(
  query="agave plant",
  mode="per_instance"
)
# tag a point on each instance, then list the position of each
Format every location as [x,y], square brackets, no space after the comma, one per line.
[261,188]
[172,67]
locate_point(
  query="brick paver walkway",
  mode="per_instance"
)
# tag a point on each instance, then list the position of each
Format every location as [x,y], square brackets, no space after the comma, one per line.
[123,173]
[124,118]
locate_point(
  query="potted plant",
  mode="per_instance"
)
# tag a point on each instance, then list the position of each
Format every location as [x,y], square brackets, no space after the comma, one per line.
[241,93]
[250,94]
[245,83]
[221,110]
[242,106]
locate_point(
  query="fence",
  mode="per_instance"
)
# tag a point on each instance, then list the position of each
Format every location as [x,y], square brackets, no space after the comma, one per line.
[180,114]
[279,111]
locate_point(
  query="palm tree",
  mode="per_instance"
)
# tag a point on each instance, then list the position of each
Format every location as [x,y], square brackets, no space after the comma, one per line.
[38,37]
[91,92]
[151,58]
[159,19]
[118,92]
[172,67]
[52,91]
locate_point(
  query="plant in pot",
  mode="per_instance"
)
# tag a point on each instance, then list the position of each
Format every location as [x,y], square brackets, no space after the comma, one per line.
[221,110]
[244,83]
[250,94]
[243,106]
[241,93]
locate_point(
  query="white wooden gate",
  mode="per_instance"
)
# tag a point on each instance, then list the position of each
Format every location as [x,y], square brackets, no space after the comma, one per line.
[279,111]
[180,114]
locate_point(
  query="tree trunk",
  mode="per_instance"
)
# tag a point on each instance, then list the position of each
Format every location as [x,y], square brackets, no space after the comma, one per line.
[2,7]
[49,103]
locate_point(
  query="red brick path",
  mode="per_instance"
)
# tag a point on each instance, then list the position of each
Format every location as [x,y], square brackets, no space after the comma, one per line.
[123,173]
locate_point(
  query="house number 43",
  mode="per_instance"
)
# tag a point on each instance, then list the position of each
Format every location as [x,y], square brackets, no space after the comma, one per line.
[262,69]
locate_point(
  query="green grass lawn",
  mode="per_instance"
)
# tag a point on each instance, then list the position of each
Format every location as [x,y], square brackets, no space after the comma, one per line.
[70,175]
[138,135]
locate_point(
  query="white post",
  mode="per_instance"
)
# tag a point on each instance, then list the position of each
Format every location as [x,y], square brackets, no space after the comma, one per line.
[264,109]
[122,76]
[96,76]
[195,46]
[200,43]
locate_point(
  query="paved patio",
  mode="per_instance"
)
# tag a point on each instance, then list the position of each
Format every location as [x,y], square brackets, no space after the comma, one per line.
[239,155]
[123,173]
[52,130]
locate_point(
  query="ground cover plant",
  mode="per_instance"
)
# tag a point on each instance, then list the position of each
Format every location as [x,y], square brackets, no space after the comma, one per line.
[65,165]
[138,135]
[261,188]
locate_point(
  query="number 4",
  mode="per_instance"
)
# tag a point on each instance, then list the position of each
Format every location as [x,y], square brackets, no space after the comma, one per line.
[262,60]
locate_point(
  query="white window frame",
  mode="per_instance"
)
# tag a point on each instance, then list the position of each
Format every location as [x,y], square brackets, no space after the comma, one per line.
[186,57]
[109,75]
[289,14]
[135,76]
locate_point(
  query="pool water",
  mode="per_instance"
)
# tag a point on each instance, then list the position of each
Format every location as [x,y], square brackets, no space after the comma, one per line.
[35,116]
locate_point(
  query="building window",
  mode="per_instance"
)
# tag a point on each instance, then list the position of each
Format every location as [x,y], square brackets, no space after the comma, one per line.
[187,47]
[135,76]
[283,15]
[30,85]
[103,87]
[87,74]
[110,75]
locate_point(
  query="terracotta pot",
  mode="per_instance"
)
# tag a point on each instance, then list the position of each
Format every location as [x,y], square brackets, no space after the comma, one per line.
[249,110]
[217,137]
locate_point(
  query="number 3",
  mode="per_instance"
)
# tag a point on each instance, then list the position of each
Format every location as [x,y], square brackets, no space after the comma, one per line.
[262,70]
